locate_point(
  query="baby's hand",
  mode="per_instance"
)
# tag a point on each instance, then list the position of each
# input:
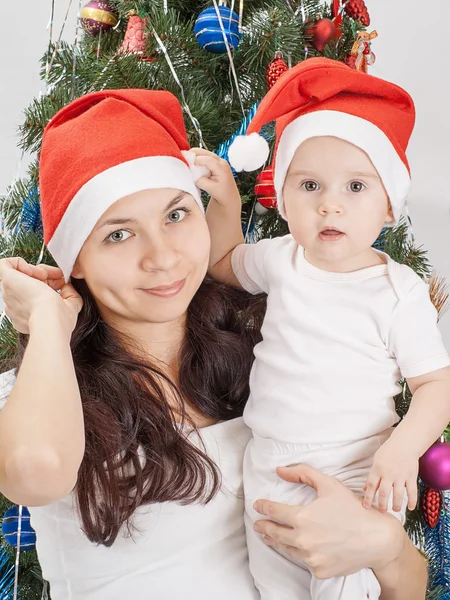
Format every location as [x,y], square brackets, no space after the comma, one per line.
[220,184]
[393,467]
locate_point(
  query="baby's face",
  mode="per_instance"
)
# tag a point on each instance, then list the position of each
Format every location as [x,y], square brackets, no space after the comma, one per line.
[335,203]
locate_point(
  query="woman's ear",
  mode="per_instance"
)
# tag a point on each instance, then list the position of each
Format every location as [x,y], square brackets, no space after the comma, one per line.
[77,272]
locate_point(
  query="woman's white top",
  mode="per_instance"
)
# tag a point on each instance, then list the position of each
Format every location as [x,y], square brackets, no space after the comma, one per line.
[175,552]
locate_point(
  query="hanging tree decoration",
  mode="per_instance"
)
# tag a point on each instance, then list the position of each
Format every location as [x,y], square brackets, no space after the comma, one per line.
[434,466]
[357,9]
[337,10]
[431,505]
[361,56]
[18,533]
[16,526]
[275,69]
[31,219]
[323,30]
[265,190]
[135,38]
[98,16]
[321,33]
[6,575]
[437,550]
[208,29]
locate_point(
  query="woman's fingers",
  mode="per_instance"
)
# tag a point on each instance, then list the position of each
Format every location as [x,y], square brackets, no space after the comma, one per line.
[72,297]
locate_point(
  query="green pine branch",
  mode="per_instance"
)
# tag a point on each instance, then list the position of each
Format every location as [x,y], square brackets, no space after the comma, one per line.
[38,114]
[397,243]
[206,78]
[8,345]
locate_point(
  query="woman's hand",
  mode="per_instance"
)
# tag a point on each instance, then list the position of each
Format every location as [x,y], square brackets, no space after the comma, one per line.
[30,290]
[220,184]
[332,534]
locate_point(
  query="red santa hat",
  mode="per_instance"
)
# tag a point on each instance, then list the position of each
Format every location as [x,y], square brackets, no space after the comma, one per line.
[105,146]
[323,97]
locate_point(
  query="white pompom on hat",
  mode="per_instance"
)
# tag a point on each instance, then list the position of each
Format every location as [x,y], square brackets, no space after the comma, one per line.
[248,152]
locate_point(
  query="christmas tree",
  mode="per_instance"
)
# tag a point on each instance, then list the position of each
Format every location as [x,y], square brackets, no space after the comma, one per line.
[219,61]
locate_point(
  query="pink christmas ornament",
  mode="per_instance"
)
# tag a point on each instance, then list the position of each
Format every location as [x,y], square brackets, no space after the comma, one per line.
[434,466]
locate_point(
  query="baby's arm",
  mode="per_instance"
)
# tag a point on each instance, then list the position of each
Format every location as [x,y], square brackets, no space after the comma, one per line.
[223,215]
[396,462]
[416,344]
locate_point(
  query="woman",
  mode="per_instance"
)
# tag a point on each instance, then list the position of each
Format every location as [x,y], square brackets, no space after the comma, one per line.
[122,431]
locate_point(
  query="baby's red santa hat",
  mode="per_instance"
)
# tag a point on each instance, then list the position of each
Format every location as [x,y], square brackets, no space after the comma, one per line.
[323,97]
[102,147]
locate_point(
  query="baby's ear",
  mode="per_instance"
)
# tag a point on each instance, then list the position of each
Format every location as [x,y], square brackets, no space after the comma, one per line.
[390,214]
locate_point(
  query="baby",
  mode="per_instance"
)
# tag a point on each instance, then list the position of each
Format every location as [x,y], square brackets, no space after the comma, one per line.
[344,322]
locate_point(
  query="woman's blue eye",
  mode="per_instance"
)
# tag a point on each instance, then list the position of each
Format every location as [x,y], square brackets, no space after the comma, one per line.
[118,236]
[177,215]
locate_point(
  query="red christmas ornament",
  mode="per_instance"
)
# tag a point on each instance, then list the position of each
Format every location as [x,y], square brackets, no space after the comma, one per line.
[275,69]
[265,190]
[350,61]
[337,18]
[322,31]
[357,9]
[431,506]
[135,37]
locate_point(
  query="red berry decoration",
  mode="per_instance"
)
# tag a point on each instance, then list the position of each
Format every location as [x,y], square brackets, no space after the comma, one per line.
[431,506]
[265,190]
[275,69]
[357,9]
[365,19]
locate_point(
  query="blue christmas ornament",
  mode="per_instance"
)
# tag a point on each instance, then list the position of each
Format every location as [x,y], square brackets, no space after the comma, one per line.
[31,219]
[380,241]
[10,525]
[209,33]
[6,576]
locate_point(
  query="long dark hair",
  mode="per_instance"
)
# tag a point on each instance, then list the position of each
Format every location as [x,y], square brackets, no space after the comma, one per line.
[135,451]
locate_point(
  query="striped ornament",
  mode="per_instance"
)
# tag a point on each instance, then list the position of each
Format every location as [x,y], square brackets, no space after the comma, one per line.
[10,525]
[96,16]
[209,33]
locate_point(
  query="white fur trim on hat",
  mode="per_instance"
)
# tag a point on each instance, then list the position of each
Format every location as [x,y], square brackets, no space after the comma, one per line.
[106,188]
[197,171]
[359,132]
[248,152]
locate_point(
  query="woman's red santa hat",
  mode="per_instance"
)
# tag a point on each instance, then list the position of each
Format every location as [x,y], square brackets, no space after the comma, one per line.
[103,147]
[323,97]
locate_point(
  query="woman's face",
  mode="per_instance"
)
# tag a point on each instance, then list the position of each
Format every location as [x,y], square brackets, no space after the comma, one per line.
[146,257]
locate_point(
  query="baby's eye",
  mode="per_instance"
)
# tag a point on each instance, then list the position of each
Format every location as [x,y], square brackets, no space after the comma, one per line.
[310,186]
[356,186]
